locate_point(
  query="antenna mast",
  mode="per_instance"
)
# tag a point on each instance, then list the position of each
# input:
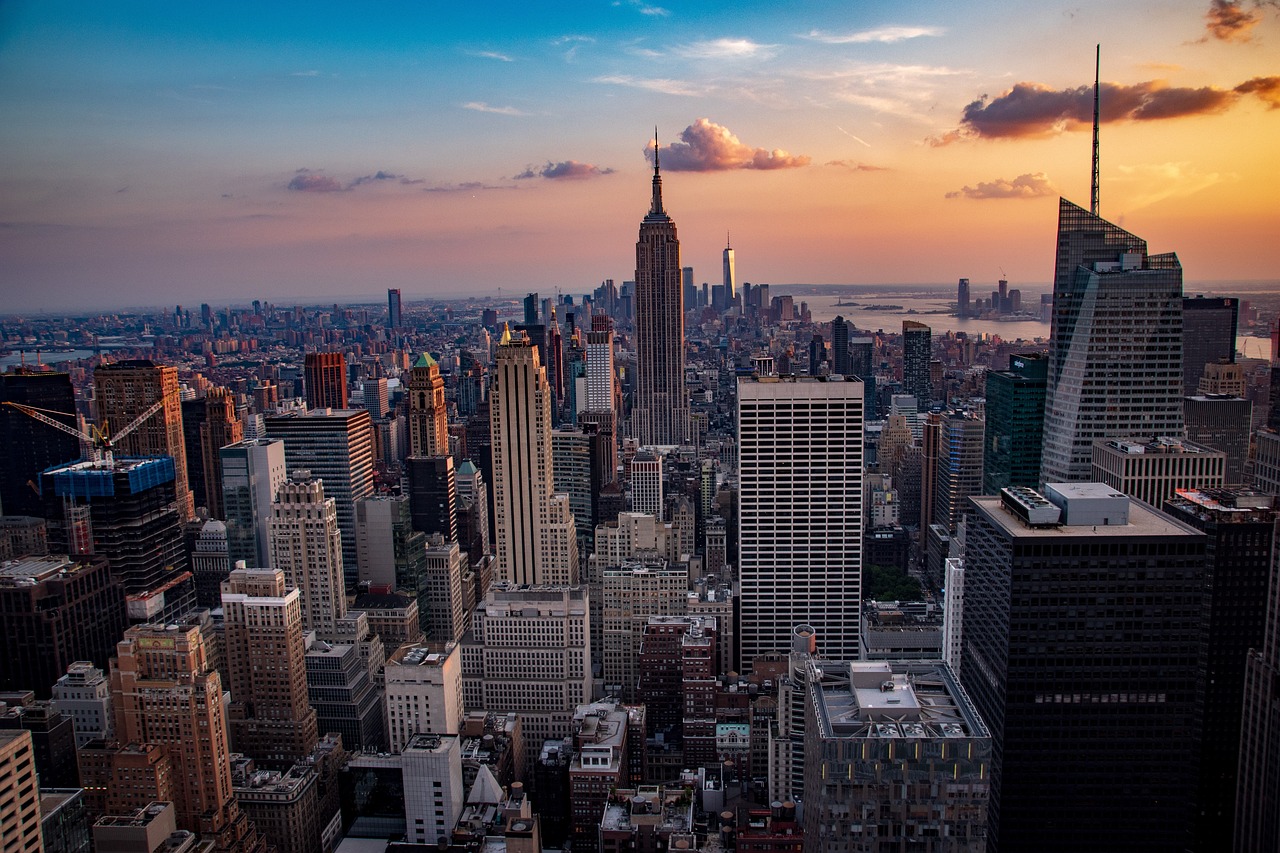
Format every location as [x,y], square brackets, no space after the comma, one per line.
[1093,185]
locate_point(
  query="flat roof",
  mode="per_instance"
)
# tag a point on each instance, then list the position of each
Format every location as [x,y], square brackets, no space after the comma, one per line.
[1143,520]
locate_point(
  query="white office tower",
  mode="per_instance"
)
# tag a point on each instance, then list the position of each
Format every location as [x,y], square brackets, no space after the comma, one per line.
[307,546]
[953,613]
[646,484]
[1115,362]
[431,765]
[424,692]
[599,372]
[528,652]
[537,542]
[800,528]
[253,471]
[84,695]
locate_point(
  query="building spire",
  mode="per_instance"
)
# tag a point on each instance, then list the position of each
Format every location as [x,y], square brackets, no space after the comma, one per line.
[1093,185]
[728,244]
[656,205]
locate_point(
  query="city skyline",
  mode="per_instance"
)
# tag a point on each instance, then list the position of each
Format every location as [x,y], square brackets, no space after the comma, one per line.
[178,155]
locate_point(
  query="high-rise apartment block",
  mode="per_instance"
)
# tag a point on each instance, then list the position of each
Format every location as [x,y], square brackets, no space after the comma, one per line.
[1152,471]
[631,592]
[326,380]
[800,528]
[1014,423]
[270,719]
[882,741]
[126,389]
[344,696]
[306,546]
[646,484]
[917,352]
[661,412]
[445,605]
[252,473]
[1223,422]
[424,692]
[55,611]
[1115,365]
[537,541]
[336,447]
[1082,617]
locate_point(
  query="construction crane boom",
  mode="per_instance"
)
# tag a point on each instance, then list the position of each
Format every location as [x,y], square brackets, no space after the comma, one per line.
[96,438]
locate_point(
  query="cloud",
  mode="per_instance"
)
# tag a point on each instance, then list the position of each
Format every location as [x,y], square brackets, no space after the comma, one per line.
[306,181]
[1230,21]
[881,35]
[490,54]
[726,48]
[565,169]
[1036,110]
[644,8]
[653,84]
[1265,88]
[705,146]
[855,166]
[384,177]
[1031,185]
[312,73]
[482,107]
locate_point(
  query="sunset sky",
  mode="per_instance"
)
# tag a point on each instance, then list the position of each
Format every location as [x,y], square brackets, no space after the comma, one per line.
[160,153]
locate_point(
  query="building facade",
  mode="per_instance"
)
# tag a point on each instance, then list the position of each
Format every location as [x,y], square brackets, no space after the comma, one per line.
[800,511]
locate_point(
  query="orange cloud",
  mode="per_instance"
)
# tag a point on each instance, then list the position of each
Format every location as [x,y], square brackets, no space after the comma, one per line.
[705,146]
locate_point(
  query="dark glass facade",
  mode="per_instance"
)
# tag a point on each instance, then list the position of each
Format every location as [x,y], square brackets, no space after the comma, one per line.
[1015,423]
[1208,335]
[1080,651]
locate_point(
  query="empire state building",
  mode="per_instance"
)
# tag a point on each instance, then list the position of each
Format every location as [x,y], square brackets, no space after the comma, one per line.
[661,412]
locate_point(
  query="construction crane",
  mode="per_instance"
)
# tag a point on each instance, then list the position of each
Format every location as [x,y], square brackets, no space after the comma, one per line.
[101,445]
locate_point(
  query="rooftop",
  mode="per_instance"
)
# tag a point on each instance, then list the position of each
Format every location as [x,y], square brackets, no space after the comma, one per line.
[1143,521]
[29,571]
[899,699]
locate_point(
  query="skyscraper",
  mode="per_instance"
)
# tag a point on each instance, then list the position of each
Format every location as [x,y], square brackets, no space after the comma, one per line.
[1115,362]
[123,391]
[394,320]
[306,546]
[165,691]
[800,529]
[959,467]
[221,427]
[336,447]
[917,352]
[1082,617]
[326,380]
[661,412]
[840,363]
[1208,335]
[1240,527]
[962,298]
[1014,423]
[600,380]
[270,719]
[252,473]
[730,273]
[536,541]
[19,795]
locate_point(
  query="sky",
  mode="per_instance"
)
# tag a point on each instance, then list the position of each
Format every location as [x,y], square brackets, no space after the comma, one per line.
[175,153]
